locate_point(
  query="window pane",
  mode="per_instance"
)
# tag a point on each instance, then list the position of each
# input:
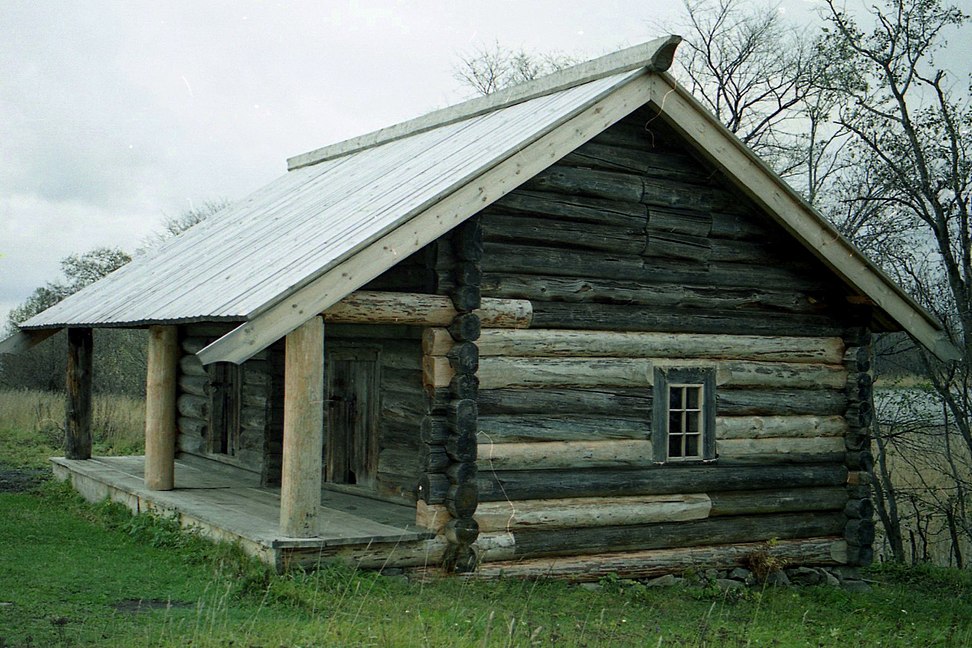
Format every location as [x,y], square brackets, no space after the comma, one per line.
[675,446]
[692,399]
[675,398]
[692,445]
[675,425]
[691,422]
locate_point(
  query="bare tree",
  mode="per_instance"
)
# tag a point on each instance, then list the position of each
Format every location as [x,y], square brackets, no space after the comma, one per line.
[488,69]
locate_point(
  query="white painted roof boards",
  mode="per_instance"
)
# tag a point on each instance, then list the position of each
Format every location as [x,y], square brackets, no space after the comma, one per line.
[233,264]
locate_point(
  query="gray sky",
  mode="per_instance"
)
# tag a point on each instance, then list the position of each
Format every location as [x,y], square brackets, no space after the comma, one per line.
[115,115]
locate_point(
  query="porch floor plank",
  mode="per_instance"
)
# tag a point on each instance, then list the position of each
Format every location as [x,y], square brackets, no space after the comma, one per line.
[228,503]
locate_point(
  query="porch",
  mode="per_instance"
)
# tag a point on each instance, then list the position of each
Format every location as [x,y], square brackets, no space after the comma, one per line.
[228,504]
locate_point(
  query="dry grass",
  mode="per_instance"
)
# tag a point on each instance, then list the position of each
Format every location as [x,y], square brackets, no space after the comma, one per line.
[32,425]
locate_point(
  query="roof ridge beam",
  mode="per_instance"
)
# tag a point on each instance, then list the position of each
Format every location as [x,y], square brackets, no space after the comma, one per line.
[655,55]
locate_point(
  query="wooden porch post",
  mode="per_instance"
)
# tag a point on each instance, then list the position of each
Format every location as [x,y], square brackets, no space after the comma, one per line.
[303,437]
[160,407]
[77,426]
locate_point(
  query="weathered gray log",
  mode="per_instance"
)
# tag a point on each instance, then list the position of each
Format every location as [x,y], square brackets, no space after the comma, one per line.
[669,166]
[192,366]
[433,459]
[621,317]
[407,461]
[464,531]
[466,298]
[77,426]
[517,228]
[193,344]
[661,480]
[658,562]
[579,209]
[635,403]
[584,540]
[503,428]
[781,402]
[465,328]
[686,222]
[859,531]
[580,290]
[778,501]
[423,310]
[434,430]
[461,499]
[464,387]
[195,385]
[510,258]
[462,447]
[193,406]
[464,357]
[191,426]
[777,427]
[859,508]
[831,447]
[461,472]
[467,240]
[462,416]
[861,556]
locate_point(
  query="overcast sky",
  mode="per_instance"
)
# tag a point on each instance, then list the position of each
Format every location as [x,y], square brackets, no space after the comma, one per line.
[116,115]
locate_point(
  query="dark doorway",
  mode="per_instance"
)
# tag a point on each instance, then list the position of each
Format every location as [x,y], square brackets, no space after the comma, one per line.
[351,439]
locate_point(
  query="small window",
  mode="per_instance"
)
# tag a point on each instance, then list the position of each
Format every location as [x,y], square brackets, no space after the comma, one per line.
[684,415]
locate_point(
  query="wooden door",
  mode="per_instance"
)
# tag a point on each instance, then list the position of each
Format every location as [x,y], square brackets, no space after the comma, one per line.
[351,441]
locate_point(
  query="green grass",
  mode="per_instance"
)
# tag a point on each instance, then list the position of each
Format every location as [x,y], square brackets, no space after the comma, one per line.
[32,426]
[71,574]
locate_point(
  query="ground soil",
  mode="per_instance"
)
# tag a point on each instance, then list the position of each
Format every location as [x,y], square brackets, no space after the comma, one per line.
[19,480]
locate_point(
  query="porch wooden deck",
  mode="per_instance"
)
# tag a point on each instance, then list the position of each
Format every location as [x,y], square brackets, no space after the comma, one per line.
[228,504]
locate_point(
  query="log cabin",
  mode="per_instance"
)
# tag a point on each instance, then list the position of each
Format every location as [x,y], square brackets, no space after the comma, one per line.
[569,329]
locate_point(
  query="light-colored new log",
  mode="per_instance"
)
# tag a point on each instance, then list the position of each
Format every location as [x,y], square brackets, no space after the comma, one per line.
[552,455]
[619,344]
[369,307]
[655,562]
[303,436]
[575,512]
[759,427]
[160,407]
[730,448]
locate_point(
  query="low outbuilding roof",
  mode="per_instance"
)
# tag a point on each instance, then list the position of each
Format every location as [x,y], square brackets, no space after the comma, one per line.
[344,214]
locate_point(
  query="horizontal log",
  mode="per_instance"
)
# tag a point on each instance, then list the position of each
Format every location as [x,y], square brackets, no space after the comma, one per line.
[659,480]
[195,385]
[576,512]
[780,402]
[193,344]
[191,443]
[778,501]
[658,562]
[632,402]
[434,430]
[793,273]
[423,310]
[193,406]
[586,540]
[405,461]
[190,365]
[759,427]
[503,429]
[859,508]
[518,228]
[545,287]
[623,317]
[767,446]
[581,343]
[553,455]
[669,166]
[191,426]
[579,209]
[859,531]
[371,556]
[464,328]
[497,372]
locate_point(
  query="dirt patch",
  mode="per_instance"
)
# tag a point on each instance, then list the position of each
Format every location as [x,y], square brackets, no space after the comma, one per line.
[21,480]
[133,606]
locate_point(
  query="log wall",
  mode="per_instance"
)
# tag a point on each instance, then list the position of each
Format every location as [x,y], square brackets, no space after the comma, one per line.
[256,419]
[635,256]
